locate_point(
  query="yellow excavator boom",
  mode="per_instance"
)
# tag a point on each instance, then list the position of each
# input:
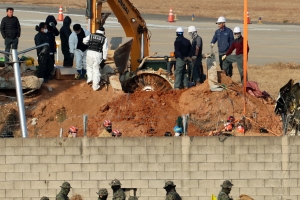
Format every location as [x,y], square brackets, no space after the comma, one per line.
[130,19]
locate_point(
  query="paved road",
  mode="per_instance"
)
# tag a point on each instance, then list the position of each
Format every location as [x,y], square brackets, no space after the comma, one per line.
[268,43]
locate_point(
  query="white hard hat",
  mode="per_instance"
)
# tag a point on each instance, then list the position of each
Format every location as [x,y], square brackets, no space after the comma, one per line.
[191,29]
[237,30]
[221,19]
[179,30]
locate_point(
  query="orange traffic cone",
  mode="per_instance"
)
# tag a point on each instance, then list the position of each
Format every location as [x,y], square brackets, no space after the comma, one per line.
[60,15]
[248,19]
[171,16]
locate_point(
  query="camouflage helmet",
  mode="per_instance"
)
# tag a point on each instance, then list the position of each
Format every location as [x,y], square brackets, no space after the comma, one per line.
[102,192]
[133,198]
[226,184]
[66,185]
[169,183]
[115,182]
[44,198]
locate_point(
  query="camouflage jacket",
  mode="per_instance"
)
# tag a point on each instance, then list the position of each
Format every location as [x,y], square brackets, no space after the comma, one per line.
[119,195]
[223,196]
[62,196]
[173,195]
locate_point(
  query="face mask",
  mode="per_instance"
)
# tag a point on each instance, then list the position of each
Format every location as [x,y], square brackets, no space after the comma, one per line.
[45,30]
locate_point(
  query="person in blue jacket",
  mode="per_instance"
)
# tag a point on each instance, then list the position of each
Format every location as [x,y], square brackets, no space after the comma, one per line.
[224,37]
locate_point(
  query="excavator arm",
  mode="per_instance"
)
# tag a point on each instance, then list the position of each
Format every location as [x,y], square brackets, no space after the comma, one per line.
[131,20]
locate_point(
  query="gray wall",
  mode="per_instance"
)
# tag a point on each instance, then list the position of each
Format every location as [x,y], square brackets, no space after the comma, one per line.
[263,167]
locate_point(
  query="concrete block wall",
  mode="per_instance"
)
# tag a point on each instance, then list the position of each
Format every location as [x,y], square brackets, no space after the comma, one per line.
[266,168]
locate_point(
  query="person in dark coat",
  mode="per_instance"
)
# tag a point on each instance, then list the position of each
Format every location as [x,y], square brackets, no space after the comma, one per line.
[10,31]
[46,65]
[52,32]
[64,33]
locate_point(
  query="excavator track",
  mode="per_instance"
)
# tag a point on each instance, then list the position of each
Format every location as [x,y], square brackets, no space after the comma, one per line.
[148,81]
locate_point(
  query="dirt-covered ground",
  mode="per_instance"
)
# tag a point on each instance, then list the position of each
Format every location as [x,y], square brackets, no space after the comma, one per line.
[270,10]
[147,113]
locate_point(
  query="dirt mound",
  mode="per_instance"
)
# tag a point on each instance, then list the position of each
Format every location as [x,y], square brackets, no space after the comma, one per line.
[154,113]
[140,113]
[143,113]
[210,110]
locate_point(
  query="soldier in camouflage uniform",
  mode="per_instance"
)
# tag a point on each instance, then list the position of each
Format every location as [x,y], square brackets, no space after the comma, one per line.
[44,198]
[63,194]
[171,192]
[224,193]
[118,193]
[102,194]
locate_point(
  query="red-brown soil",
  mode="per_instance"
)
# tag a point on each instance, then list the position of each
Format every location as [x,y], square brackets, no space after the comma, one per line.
[141,113]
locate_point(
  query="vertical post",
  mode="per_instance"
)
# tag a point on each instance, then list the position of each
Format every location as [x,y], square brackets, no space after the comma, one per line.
[245,52]
[56,54]
[19,92]
[84,125]
[61,132]
[142,46]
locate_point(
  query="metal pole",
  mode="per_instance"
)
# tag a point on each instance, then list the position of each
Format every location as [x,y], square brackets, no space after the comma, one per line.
[32,48]
[60,132]
[19,92]
[56,54]
[142,46]
[84,125]
[245,52]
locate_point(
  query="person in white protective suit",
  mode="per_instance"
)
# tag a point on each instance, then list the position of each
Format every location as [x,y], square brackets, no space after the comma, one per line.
[96,56]
[79,49]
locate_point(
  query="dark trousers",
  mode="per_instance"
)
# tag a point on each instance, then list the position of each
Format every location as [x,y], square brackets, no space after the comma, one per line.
[198,70]
[231,59]
[229,70]
[181,74]
[10,44]
[46,66]
[68,61]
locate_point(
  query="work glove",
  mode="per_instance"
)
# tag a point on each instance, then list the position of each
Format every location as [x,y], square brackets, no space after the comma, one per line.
[185,59]
[224,57]
[207,55]
[52,24]
[72,55]
[194,58]
[212,45]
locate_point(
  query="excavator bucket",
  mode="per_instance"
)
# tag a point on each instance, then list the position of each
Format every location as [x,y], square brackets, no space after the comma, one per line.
[121,56]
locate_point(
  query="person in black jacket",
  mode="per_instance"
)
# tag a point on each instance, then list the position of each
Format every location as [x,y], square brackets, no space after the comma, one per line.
[182,48]
[46,65]
[10,31]
[52,32]
[65,32]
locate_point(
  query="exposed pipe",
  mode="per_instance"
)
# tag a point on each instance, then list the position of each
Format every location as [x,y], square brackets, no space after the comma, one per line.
[19,92]
[142,46]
